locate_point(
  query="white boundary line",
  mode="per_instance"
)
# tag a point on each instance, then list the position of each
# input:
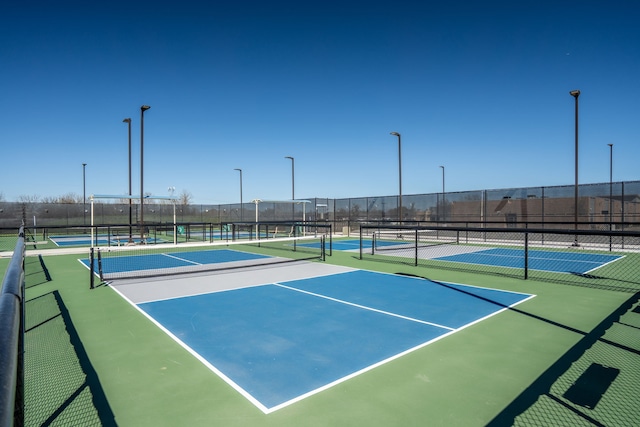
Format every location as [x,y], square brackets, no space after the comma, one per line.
[399,355]
[522,268]
[364,307]
[267,410]
[225,378]
[606,263]
[181,259]
[217,273]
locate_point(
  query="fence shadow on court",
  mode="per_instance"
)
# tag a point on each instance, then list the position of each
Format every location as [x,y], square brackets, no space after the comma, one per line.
[61,386]
[36,271]
[627,282]
[596,382]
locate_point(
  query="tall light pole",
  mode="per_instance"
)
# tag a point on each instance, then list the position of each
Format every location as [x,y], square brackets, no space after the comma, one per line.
[128,122]
[84,195]
[399,176]
[443,202]
[142,110]
[240,170]
[293,186]
[610,191]
[576,94]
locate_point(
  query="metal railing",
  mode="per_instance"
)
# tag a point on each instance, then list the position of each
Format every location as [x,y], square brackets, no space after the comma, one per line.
[12,339]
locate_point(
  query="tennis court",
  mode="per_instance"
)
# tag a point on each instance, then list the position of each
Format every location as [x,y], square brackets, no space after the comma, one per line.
[551,261]
[100,240]
[110,263]
[556,261]
[280,333]
[246,340]
[173,260]
[205,234]
[353,244]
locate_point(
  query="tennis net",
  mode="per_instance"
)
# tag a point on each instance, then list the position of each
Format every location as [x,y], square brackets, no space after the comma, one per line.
[398,240]
[130,262]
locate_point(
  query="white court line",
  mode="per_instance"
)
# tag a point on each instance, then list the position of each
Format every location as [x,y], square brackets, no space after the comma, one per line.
[397,356]
[578,261]
[181,259]
[364,307]
[153,289]
[267,410]
[606,263]
[195,354]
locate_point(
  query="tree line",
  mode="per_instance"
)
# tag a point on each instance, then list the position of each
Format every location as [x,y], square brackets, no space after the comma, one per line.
[185,198]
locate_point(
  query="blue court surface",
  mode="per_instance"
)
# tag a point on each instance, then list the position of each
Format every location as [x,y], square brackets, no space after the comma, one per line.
[278,343]
[98,240]
[217,234]
[552,261]
[126,263]
[348,245]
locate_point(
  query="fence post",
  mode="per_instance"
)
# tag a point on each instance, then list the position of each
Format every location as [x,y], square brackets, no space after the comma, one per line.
[416,241]
[331,239]
[526,255]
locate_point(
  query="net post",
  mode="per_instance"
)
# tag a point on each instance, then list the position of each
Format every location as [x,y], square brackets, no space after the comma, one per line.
[323,251]
[373,242]
[91,264]
[360,242]
[100,266]
[526,255]
[295,234]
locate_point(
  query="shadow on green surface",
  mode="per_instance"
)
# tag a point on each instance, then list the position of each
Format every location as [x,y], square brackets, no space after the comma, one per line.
[569,392]
[572,390]
[622,276]
[36,271]
[61,385]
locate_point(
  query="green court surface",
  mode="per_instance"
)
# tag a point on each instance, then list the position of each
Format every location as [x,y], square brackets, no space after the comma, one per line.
[108,364]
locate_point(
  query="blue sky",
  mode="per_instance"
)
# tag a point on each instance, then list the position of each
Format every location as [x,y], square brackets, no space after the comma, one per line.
[479,87]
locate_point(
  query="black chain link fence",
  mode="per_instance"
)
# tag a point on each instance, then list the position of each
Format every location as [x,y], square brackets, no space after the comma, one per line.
[599,259]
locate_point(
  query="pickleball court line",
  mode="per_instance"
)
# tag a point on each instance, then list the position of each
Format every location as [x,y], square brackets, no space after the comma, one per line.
[364,307]
[181,259]
[541,258]
[197,355]
[488,256]
[269,409]
[606,263]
